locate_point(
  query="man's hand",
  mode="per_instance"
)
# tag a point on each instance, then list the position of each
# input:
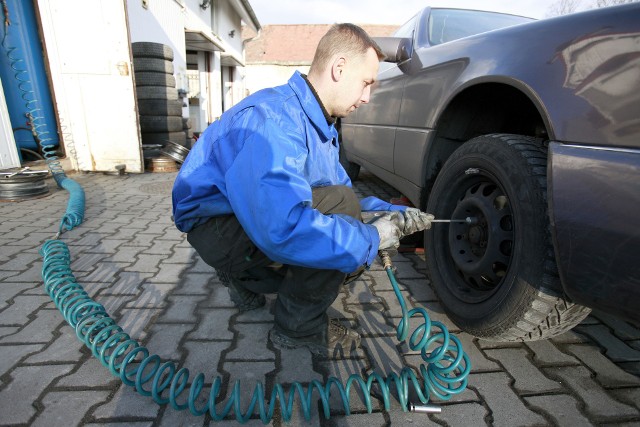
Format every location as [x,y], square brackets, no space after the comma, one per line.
[415,220]
[387,224]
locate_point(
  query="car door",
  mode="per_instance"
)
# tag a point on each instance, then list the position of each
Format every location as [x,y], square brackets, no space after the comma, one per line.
[371,134]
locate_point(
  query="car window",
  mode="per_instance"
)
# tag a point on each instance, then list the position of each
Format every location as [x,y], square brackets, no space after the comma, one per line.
[446,25]
[407,29]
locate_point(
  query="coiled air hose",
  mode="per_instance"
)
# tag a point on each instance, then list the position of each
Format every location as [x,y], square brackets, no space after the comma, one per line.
[443,373]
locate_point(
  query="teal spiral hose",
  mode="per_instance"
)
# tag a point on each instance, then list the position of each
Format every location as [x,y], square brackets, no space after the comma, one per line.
[443,373]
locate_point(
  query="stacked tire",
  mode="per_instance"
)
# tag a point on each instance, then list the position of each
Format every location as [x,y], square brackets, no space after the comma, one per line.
[159,106]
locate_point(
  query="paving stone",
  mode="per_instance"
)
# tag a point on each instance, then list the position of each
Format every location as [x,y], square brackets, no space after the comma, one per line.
[10,354]
[125,254]
[463,414]
[31,275]
[528,378]
[420,289]
[213,324]
[67,408]
[195,283]
[40,330]
[479,362]
[66,347]
[19,261]
[615,349]
[506,407]
[251,342]
[393,307]
[126,283]
[630,396]
[91,373]
[296,365]
[564,409]
[570,337]
[204,357]
[362,295]
[7,330]
[358,420]
[373,322]
[165,340]
[123,424]
[546,353]
[158,247]
[26,382]
[607,373]
[10,290]
[126,403]
[135,320]
[146,263]
[104,273]
[181,256]
[619,327]
[168,273]
[596,400]
[152,295]
[182,308]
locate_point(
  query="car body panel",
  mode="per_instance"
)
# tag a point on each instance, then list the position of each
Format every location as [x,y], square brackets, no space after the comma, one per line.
[595,215]
[580,76]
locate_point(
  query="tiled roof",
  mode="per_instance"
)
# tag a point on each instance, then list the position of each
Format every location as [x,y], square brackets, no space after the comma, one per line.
[293,44]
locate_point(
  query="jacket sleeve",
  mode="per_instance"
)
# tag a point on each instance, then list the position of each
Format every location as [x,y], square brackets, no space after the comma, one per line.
[374,204]
[273,202]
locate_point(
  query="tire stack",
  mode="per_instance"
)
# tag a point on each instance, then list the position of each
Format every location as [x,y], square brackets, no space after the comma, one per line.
[158,104]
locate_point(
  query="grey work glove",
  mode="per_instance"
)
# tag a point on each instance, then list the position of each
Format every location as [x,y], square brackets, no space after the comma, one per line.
[388,224]
[415,220]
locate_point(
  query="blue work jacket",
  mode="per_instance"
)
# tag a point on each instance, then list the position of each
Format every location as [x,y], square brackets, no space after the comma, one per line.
[260,161]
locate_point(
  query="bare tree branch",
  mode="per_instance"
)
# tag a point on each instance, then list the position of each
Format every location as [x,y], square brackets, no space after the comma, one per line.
[564,7]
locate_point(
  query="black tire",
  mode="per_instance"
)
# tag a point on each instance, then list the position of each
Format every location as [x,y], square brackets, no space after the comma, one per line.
[352,169]
[159,107]
[160,124]
[152,64]
[152,50]
[497,279]
[150,138]
[151,78]
[157,92]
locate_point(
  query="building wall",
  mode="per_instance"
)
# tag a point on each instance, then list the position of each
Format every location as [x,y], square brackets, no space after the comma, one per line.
[163,21]
[260,76]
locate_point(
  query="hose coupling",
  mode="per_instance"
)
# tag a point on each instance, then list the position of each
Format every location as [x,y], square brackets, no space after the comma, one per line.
[425,409]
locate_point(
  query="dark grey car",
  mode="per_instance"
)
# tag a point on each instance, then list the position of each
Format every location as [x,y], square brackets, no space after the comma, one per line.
[532,128]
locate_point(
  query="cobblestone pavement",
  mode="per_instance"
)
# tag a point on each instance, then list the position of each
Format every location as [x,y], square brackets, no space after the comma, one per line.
[130,258]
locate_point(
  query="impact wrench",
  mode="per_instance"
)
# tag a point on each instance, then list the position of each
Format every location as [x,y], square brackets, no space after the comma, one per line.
[468,220]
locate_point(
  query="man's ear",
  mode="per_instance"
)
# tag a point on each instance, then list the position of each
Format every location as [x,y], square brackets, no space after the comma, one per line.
[337,68]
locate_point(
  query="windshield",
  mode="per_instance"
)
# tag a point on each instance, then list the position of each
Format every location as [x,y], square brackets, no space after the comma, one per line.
[446,25]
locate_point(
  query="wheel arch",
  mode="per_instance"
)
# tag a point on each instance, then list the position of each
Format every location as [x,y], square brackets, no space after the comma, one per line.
[482,107]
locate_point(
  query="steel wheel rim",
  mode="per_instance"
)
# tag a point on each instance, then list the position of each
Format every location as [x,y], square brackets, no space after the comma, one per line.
[480,253]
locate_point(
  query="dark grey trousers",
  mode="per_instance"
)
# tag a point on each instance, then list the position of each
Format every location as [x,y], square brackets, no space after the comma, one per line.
[304,294]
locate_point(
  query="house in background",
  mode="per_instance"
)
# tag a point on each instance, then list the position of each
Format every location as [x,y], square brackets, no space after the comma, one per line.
[278,50]
[87,75]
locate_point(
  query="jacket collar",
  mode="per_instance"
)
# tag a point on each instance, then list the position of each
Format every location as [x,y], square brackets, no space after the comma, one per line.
[312,107]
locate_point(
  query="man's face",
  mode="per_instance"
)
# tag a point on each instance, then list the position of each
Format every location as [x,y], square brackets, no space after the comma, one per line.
[355,85]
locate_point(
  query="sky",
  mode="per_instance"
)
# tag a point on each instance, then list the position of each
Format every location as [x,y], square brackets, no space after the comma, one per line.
[380,11]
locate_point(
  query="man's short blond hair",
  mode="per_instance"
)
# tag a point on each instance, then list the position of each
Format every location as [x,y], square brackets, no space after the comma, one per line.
[342,38]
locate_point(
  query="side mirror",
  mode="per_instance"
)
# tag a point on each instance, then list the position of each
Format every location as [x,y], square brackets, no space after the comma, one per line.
[396,49]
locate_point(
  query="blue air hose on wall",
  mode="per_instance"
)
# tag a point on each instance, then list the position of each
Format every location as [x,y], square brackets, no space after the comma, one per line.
[442,374]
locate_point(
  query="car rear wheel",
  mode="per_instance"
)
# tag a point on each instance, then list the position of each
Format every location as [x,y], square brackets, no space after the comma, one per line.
[496,277]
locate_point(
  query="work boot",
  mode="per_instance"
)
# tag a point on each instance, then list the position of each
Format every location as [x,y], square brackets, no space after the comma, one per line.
[244,299]
[331,342]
